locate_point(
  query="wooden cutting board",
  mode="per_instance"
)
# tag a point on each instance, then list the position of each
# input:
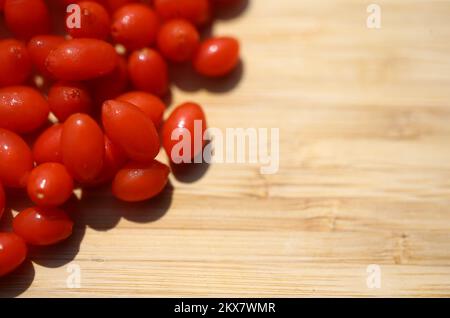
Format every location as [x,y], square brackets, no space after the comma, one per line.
[364,178]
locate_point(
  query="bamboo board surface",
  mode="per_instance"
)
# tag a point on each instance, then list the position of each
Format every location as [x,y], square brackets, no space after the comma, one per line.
[364,118]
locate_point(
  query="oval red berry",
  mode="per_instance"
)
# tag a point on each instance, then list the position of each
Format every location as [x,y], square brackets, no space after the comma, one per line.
[43,226]
[50,184]
[138,181]
[22,109]
[131,129]
[217,57]
[47,147]
[13,252]
[16,160]
[81,59]
[83,147]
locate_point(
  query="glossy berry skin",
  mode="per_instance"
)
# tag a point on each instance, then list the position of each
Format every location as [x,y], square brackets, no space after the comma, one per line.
[50,185]
[110,85]
[81,59]
[148,71]
[150,104]
[2,200]
[195,11]
[138,182]
[135,26]
[178,40]
[47,147]
[13,252]
[94,21]
[130,129]
[43,226]
[83,147]
[68,98]
[39,47]
[217,57]
[27,18]
[181,121]
[15,63]
[16,160]
[22,109]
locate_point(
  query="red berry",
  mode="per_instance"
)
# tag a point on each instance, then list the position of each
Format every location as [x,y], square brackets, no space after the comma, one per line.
[81,59]
[27,18]
[40,47]
[217,57]
[16,160]
[43,226]
[50,184]
[22,109]
[178,40]
[139,181]
[47,148]
[13,252]
[181,123]
[148,71]
[15,63]
[68,98]
[150,104]
[196,11]
[83,147]
[130,129]
[135,26]
[94,21]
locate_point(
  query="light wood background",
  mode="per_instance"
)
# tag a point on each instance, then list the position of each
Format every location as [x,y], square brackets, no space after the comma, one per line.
[364,175]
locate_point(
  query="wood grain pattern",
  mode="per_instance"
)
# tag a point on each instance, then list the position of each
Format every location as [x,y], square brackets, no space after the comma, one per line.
[364,175]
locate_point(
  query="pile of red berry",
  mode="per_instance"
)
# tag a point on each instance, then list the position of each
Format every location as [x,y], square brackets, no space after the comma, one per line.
[103,81]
